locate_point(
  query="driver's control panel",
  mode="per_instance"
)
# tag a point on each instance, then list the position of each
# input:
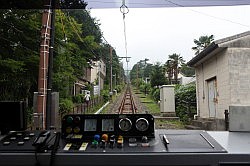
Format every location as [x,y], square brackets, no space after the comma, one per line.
[107,132]
[89,125]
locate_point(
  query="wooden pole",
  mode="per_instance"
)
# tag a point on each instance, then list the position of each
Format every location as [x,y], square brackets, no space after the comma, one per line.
[48,122]
[111,74]
[43,68]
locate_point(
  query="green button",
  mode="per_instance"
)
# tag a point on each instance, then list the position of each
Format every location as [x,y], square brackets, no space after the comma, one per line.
[69,119]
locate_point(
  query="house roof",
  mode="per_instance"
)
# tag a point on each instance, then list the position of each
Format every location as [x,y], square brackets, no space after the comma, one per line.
[239,40]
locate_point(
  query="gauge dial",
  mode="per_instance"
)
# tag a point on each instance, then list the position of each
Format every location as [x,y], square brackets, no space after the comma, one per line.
[141,124]
[90,124]
[108,125]
[125,124]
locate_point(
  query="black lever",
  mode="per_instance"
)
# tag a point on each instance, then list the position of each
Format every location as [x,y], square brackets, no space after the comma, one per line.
[41,139]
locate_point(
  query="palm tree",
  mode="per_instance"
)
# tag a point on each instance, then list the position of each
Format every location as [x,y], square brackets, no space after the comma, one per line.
[169,70]
[157,75]
[175,61]
[202,43]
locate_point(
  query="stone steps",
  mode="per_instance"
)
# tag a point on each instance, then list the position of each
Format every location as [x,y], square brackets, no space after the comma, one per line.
[191,127]
[204,124]
[167,117]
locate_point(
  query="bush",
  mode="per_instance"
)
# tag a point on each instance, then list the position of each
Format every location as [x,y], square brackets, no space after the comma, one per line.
[185,97]
[29,113]
[65,105]
[105,94]
[155,93]
[185,93]
[78,98]
[119,88]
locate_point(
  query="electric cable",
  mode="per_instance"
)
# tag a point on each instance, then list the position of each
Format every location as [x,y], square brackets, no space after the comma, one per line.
[208,15]
[64,33]
[19,45]
[124,10]
[55,148]
[77,31]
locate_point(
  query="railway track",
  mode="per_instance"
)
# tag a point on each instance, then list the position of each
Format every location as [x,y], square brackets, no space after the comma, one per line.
[127,105]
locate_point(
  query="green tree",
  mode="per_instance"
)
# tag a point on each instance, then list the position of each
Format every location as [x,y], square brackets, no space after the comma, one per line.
[141,70]
[187,71]
[80,48]
[117,69]
[175,62]
[202,43]
[19,38]
[157,77]
[168,68]
[20,32]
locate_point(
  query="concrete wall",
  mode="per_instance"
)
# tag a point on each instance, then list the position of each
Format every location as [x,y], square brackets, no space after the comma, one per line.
[216,67]
[232,71]
[95,70]
[239,76]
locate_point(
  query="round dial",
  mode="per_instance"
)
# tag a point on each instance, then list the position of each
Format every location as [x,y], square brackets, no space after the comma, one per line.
[141,124]
[125,124]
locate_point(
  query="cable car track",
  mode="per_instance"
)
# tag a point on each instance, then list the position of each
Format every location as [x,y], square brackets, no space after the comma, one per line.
[127,105]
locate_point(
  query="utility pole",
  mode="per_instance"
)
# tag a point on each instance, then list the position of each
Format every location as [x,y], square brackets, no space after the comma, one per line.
[40,112]
[137,83]
[127,60]
[99,78]
[50,70]
[111,74]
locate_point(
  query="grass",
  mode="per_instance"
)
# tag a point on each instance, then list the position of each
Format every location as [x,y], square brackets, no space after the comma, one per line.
[169,124]
[106,109]
[155,111]
[150,104]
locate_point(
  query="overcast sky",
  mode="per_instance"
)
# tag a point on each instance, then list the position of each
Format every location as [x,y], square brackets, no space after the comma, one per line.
[155,33]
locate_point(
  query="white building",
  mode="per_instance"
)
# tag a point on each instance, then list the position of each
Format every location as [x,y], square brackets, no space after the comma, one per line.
[91,76]
[222,77]
[98,71]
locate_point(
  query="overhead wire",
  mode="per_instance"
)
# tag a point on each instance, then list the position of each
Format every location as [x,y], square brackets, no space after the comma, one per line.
[77,31]
[131,3]
[175,4]
[19,45]
[69,20]
[124,10]
[205,14]
[26,37]
[64,33]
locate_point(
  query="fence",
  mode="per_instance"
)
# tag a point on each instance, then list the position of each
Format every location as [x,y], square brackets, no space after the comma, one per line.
[87,107]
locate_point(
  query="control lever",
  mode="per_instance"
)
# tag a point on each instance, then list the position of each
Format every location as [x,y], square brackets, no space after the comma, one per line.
[96,140]
[104,141]
[144,141]
[120,141]
[112,141]
[41,139]
[165,141]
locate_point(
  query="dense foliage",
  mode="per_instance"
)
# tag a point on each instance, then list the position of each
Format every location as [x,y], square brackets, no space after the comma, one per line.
[185,101]
[185,95]
[19,38]
[78,42]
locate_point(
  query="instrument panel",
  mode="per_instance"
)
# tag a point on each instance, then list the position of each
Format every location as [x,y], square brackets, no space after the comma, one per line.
[128,125]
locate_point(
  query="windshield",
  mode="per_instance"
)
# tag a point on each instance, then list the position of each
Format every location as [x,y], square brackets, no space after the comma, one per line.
[78,60]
